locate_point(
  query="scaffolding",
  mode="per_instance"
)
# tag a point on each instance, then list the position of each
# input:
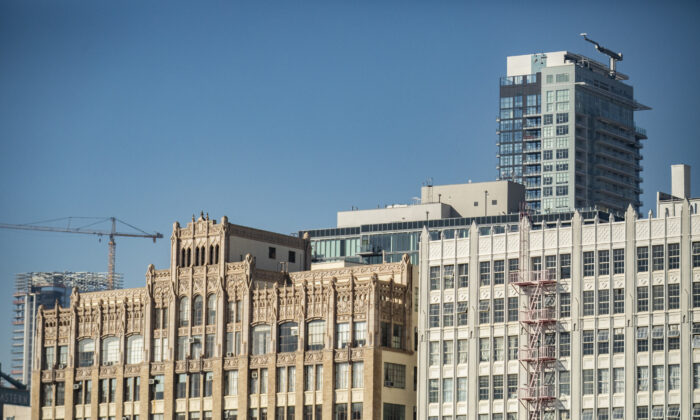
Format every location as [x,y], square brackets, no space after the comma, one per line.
[537,296]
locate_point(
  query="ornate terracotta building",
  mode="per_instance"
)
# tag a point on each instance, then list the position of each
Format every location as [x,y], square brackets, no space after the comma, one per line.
[238,327]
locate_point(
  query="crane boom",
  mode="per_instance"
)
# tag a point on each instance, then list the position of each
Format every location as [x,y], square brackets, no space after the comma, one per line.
[112,233]
[614,56]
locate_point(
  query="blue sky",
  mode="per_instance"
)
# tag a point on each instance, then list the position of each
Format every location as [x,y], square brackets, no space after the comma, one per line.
[279,114]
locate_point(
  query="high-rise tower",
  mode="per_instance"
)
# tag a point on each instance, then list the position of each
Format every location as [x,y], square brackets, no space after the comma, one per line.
[566,131]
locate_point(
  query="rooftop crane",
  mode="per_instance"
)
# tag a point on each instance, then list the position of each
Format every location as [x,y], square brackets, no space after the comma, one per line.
[614,57]
[84,230]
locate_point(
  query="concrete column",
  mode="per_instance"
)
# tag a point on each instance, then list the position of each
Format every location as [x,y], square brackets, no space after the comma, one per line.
[472,320]
[630,311]
[423,305]
[686,267]
[576,311]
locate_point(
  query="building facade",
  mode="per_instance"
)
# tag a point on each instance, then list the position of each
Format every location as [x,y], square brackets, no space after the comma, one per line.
[566,131]
[43,289]
[214,337]
[608,310]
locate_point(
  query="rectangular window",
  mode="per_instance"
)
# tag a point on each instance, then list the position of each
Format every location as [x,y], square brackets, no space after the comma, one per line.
[498,310]
[657,296]
[231,383]
[341,375]
[603,381]
[588,377]
[564,305]
[603,302]
[696,375]
[447,389]
[618,301]
[618,261]
[462,351]
[359,334]
[564,344]
[642,299]
[565,266]
[435,278]
[642,259]
[564,382]
[588,303]
[342,335]
[448,314]
[674,296]
[462,309]
[696,254]
[447,352]
[463,275]
[642,378]
[282,378]
[674,377]
[308,378]
[603,341]
[484,311]
[448,276]
[588,342]
[657,378]
[603,262]
[181,387]
[588,263]
[461,389]
[358,374]
[499,272]
[497,387]
[433,391]
[394,375]
[483,388]
[674,256]
[657,257]
[484,349]
[674,337]
[696,294]
[513,347]
[434,353]
[642,339]
[485,273]
[619,340]
[513,309]
[498,352]
[434,315]
[512,386]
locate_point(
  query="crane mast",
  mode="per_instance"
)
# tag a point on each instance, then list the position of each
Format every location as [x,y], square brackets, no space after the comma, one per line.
[112,233]
[614,56]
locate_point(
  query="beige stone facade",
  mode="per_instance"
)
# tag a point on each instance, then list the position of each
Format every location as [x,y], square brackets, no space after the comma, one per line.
[216,338]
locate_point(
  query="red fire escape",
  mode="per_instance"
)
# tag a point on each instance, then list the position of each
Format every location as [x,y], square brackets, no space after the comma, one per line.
[537,291]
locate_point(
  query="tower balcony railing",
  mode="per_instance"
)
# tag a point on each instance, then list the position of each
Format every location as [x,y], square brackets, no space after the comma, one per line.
[538,392]
[541,316]
[540,353]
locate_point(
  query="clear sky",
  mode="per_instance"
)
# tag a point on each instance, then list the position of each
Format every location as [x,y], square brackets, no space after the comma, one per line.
[279,114]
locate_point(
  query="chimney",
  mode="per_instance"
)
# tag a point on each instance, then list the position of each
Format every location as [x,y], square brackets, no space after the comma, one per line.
[680,181]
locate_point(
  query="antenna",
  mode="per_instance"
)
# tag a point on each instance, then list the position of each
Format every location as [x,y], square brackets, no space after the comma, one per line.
[614,57]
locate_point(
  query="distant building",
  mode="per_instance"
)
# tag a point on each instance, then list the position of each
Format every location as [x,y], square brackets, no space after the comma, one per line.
[566,131]
[43,288]
[216,337]
[671,204]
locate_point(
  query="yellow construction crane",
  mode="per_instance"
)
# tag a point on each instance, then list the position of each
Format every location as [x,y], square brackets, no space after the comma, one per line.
[87,230]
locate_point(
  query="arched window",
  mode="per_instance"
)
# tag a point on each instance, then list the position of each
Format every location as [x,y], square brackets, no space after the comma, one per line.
[196,256]
[189,257]
[197,304]
[216,253]
[315,331]
[134,349]
[183,257]
[211,309]
[86,352]
[288,337]
[110,350]
[202,256]
[211,254]
[260,340]
[184,319]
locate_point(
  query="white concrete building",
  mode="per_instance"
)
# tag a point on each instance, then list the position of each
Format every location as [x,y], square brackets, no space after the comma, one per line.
[625,319]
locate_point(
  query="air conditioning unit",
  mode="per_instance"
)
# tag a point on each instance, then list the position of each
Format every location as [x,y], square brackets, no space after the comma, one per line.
[151,382]
[190,340]
[294,331]
[674,333]
[76,386]
[389,384]
[254,374]
[229,354]
[61,366]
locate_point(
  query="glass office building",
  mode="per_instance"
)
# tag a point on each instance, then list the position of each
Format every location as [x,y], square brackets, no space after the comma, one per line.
[566,131]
